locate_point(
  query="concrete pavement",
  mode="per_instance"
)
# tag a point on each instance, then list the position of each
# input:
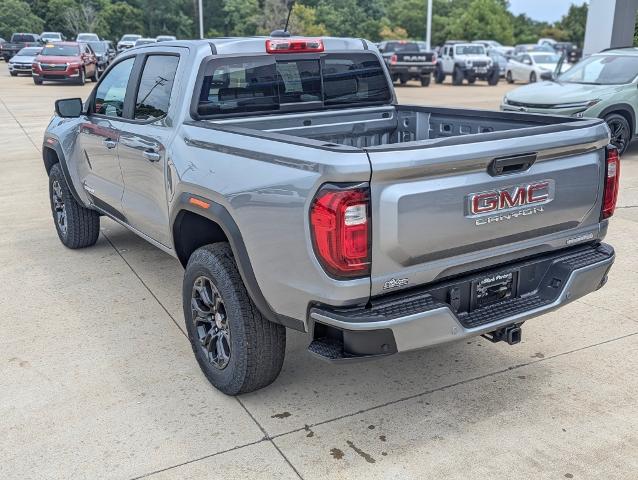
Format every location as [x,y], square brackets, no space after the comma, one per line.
[97,379]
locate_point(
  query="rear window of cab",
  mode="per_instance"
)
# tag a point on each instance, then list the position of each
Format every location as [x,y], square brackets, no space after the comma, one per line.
[278,83]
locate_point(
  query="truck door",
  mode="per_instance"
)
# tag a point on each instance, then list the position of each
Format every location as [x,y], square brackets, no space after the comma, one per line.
[142,149]
[98,139]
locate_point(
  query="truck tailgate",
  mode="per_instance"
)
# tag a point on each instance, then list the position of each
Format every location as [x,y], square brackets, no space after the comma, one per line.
[448,206]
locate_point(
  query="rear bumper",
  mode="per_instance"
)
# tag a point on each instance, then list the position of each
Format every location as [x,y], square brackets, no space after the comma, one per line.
[423,318]
[412,70]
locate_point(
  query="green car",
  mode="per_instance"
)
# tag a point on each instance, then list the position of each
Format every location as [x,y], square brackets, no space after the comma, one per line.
[604,85]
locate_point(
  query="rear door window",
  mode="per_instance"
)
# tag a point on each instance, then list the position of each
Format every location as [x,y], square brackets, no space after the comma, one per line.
[156,85]
[268,83]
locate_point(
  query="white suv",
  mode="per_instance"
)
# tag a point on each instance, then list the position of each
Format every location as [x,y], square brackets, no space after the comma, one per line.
[466,61]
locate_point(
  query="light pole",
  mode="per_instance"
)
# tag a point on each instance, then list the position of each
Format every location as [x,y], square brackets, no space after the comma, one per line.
[428,33]
[201,19]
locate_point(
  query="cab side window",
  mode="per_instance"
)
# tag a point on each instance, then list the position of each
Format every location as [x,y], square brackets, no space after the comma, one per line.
[110,94]
[156,84]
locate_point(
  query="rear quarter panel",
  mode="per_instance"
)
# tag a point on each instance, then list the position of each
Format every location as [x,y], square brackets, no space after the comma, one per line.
[267,187]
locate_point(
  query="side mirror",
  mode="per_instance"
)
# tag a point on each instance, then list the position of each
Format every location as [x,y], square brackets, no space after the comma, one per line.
[547,76]
[68,107]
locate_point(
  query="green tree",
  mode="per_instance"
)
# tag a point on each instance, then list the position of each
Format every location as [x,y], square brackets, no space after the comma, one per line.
[527,30]
[483,19]
[16,16]
[303,21]
[409,15]
[120,18]
[573,24]
[242,17]
[346,18]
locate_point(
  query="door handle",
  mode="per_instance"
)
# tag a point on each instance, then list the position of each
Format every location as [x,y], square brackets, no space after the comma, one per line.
[108,143]
[151,155]
[513,164]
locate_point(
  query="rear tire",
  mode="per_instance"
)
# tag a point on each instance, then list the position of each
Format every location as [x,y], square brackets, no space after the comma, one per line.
[403,79]
[77,226]
[508,77]
[425,80]
[457,76]
[238,350]
[494,77]
[439,76]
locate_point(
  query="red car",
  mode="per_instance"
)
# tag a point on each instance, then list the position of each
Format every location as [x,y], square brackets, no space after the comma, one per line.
[62,61]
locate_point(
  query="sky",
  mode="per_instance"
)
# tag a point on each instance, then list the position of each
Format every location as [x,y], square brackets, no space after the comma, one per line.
[544,10]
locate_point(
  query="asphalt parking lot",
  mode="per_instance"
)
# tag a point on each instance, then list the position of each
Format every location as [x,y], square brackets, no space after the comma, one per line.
[97,379]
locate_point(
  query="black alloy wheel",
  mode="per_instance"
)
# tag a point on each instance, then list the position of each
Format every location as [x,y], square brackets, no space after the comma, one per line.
[59,208]
[210,322]
[620,131]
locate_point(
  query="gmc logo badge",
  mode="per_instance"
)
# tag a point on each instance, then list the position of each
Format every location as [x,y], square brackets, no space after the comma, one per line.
[511,198]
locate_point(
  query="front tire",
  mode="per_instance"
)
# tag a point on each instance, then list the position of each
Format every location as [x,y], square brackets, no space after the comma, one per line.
[508,77]
[96,75]
[238,350]
[532,77]
[77,226]
[620,131]
[13,74]
[457,76]
[82,78]
[494,77]
[37,81]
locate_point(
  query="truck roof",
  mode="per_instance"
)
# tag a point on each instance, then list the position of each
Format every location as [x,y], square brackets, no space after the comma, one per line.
[226,45]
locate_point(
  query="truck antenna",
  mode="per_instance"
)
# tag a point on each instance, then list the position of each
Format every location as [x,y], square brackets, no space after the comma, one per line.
[291,5]
[285,32]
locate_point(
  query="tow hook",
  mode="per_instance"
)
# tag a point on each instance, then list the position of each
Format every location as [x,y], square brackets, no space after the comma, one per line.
[510,334]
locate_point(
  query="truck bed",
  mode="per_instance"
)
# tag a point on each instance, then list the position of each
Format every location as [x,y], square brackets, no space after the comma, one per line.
[427,164]
[390,125]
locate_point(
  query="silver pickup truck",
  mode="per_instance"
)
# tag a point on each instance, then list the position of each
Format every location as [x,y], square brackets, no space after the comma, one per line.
[297,193]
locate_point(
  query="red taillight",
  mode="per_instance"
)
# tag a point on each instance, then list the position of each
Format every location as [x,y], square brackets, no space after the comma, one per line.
[340,226]
[294,45]
[394,59]
[612,178]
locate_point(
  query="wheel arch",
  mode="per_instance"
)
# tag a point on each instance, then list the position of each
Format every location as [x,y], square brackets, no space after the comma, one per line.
[195,225]
[51,154]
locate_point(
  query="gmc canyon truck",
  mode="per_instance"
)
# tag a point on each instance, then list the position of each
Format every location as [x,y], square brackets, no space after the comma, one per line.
[297,193]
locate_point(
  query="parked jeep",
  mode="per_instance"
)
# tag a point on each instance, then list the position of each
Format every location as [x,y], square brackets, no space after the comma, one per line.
[466,61]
